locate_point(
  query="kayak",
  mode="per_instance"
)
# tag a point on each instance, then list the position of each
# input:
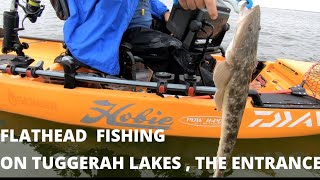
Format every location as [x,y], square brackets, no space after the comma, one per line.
[274,111]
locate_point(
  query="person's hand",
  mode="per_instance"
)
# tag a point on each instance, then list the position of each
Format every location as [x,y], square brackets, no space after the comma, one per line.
[255,85]
[166,16]
[200,4]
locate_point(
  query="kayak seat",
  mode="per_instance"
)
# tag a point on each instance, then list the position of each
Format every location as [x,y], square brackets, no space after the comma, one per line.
[71,67]
[77,64]
[132,67]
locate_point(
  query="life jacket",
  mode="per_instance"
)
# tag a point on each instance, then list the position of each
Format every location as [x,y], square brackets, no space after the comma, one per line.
[61,8]
[94,28]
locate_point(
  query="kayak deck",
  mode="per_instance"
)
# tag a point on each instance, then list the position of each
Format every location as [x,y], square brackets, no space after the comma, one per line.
[179,116]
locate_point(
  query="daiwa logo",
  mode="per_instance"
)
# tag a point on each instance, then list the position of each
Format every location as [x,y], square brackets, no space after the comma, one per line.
[285,119]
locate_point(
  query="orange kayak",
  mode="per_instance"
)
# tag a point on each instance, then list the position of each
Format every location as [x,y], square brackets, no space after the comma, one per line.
[272,113]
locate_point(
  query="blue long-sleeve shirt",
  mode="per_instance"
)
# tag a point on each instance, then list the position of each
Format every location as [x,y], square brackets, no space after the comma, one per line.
[94,30]
[142,16]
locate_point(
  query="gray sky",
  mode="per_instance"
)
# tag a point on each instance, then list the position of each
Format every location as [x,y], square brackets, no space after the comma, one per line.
[305,5]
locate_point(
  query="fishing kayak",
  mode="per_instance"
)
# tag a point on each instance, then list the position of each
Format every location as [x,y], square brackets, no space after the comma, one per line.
[276,110]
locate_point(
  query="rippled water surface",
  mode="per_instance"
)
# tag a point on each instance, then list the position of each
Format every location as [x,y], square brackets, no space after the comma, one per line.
[285,34]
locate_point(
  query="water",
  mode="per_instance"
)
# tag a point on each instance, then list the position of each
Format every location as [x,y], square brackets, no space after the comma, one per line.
[285,34]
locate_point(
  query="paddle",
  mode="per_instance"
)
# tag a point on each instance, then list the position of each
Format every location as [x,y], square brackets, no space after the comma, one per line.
[1,32]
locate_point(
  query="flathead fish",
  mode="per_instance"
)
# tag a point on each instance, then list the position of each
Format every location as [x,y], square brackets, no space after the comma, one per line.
[232,78]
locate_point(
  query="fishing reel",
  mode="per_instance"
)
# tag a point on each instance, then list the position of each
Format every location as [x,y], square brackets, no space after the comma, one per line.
[11,41]
[33,9]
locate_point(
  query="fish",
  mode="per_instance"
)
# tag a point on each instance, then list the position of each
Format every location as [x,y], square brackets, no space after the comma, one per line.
[232,78]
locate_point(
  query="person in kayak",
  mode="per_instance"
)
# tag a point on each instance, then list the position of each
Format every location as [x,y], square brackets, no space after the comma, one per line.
[161,52]
[94,29]
[167,52]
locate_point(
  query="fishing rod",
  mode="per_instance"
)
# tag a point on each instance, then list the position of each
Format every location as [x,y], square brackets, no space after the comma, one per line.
[161,88]
[103,80]
[11,41]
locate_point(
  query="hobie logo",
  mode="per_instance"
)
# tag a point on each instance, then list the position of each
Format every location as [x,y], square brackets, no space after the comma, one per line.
[204,121]
[285,119]
[124,115]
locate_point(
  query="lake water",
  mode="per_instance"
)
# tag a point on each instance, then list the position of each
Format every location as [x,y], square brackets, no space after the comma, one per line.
[285,34]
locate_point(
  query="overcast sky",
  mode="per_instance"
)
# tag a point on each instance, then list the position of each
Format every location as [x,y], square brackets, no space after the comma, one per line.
[306,5]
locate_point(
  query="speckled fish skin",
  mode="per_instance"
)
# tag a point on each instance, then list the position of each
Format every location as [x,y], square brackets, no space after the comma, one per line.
[233,77]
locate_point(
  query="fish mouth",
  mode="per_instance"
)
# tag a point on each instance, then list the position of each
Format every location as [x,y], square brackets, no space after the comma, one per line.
[247,15]
[245,12]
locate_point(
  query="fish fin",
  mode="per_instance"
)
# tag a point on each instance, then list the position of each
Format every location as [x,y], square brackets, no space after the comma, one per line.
[218,98]
[221,77]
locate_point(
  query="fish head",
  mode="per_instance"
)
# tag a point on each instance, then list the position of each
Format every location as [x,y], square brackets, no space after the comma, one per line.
[248,24]
[246,33]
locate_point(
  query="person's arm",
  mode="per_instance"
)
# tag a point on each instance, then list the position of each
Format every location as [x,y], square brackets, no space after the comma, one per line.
[200,4]
[159,9]
[166,16]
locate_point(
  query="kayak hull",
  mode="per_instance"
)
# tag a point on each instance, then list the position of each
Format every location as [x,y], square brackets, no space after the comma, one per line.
[116,109]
